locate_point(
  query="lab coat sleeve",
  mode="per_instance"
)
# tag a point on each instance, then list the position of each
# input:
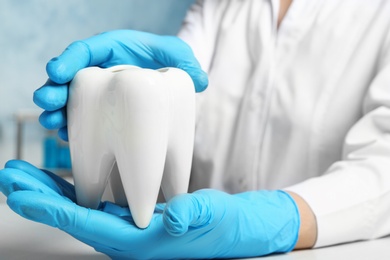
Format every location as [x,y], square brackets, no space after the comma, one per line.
[351,200]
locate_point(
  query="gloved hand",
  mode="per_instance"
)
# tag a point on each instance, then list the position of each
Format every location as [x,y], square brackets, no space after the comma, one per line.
[108,49]
[205,224]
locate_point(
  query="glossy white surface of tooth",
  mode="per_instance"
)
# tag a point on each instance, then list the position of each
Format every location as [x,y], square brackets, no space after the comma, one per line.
[137,125]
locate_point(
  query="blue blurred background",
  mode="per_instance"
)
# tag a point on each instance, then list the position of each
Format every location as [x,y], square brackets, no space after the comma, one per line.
[32,32]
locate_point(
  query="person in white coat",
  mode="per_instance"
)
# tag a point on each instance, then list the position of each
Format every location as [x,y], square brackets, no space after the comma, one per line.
[300,103]
[292,135]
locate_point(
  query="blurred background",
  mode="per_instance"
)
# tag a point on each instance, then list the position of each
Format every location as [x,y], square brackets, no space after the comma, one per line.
[31,33]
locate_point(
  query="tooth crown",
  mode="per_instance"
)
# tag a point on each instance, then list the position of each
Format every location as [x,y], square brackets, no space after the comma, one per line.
[133,129]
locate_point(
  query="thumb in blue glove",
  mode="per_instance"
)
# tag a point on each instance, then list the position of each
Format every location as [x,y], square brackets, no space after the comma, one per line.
[105,50]
[247,224]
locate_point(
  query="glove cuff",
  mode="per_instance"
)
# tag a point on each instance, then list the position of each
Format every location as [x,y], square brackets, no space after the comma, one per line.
[297,218]
[274,223]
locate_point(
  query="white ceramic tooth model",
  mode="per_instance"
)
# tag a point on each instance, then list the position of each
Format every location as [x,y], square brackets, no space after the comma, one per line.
[132,129]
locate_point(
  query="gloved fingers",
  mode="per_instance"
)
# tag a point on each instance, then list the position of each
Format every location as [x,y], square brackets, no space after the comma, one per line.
[63,68]
[14,180]
[198,76]
[53,119]
[21,171]
[160,207]
[104,50]
[51,96]
[120,211]
[88,242]
[112,253]
[86,224]
[167,55]
[114,209]
[67,189]
[119,233]
[51,210]
[186,210]
[63,133]
[102,248]
[126,47]
[145,50]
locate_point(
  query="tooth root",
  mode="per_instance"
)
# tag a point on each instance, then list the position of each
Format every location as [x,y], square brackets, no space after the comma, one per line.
[181,135]
[91,160]
[142,149]
[90,180]
[116,190]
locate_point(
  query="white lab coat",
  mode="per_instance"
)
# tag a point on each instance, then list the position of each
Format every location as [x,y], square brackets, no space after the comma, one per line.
[305,107]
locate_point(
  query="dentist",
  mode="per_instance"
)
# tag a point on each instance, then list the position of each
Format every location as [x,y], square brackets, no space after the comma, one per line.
[292,139]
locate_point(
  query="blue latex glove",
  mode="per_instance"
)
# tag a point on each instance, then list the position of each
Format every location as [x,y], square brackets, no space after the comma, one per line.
[108,49]
[205,224]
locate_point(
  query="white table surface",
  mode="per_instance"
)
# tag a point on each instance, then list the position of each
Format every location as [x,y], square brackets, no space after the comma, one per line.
[21,239]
